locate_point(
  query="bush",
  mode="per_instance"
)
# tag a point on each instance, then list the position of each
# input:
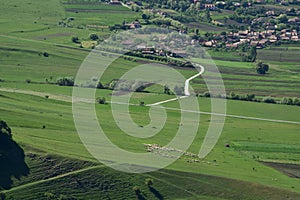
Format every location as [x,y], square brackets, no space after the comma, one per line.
[5,130]
[45,54]
[112,84]
[101,100]
[287,101]
[28,81]
[250,97]
[296,101]
[262,68]
[136,190]
[149,182]
[2,196]
[142,103]
[94,36]
[65,81]
[269,100]
[75,39]
[49,195]
[206,94]
[100,85]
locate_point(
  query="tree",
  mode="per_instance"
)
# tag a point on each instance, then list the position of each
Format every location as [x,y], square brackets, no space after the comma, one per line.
[253,54]
[5,131]
[296,101]
[166,90]
[65,81]
[145,16]
[250,97]
[45,54]
[287,101]
[75,39]
[100,85]
[149,182]
[136,190]
[234,96]
[94,36]
[269,100]
[207,16]
[262,68]
[101,100]
[282,18]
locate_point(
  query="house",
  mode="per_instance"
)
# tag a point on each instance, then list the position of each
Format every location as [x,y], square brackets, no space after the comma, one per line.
[293,20]
[115,2]
[134,25]
[254,43]
[210,6]
[180,53]
[295,38]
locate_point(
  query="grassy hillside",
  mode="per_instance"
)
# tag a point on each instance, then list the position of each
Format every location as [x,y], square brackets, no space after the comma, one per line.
[237,163]
[255,158]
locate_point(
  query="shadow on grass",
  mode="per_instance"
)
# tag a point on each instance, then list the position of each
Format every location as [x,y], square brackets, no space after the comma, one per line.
[156,193]
[140,197]
[12,162]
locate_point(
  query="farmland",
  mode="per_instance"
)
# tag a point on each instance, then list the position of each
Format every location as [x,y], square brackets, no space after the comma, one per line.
[256,157]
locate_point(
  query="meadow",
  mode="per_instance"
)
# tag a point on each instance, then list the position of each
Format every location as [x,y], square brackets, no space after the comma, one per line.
[40,115]
[59,132]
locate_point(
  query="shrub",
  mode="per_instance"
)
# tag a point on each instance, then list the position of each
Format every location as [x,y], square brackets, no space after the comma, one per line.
[296,101]
[136,190]
[269,100]
[101,100]
[262,68]
[206,94]
[100,85]
[65,81]
[2,196]
[75,39]
[49,195]
[112,84]
[250,97]
[142,103]
[28,81]
[287,101]
[94,36]
[149,182]
[5,130]
[45,54]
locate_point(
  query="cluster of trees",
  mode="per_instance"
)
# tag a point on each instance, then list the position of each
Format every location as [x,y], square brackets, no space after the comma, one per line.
[65,81]
[51,196]
[128,86]
[262,68]
[5,131]
[251,97]
[290,101]
[92,36]
[165,59]
[167,22]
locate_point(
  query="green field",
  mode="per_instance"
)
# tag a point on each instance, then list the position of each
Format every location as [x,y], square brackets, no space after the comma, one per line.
[256,157]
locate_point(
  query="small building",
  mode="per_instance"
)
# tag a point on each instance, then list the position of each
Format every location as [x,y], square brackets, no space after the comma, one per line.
[115,2]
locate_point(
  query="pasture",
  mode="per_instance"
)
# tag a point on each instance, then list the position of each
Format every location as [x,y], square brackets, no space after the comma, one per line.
[35,51]
[60,132]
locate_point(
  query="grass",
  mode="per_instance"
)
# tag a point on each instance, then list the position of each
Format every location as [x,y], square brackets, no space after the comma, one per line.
[60,132]
[55,155]
[100,182]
